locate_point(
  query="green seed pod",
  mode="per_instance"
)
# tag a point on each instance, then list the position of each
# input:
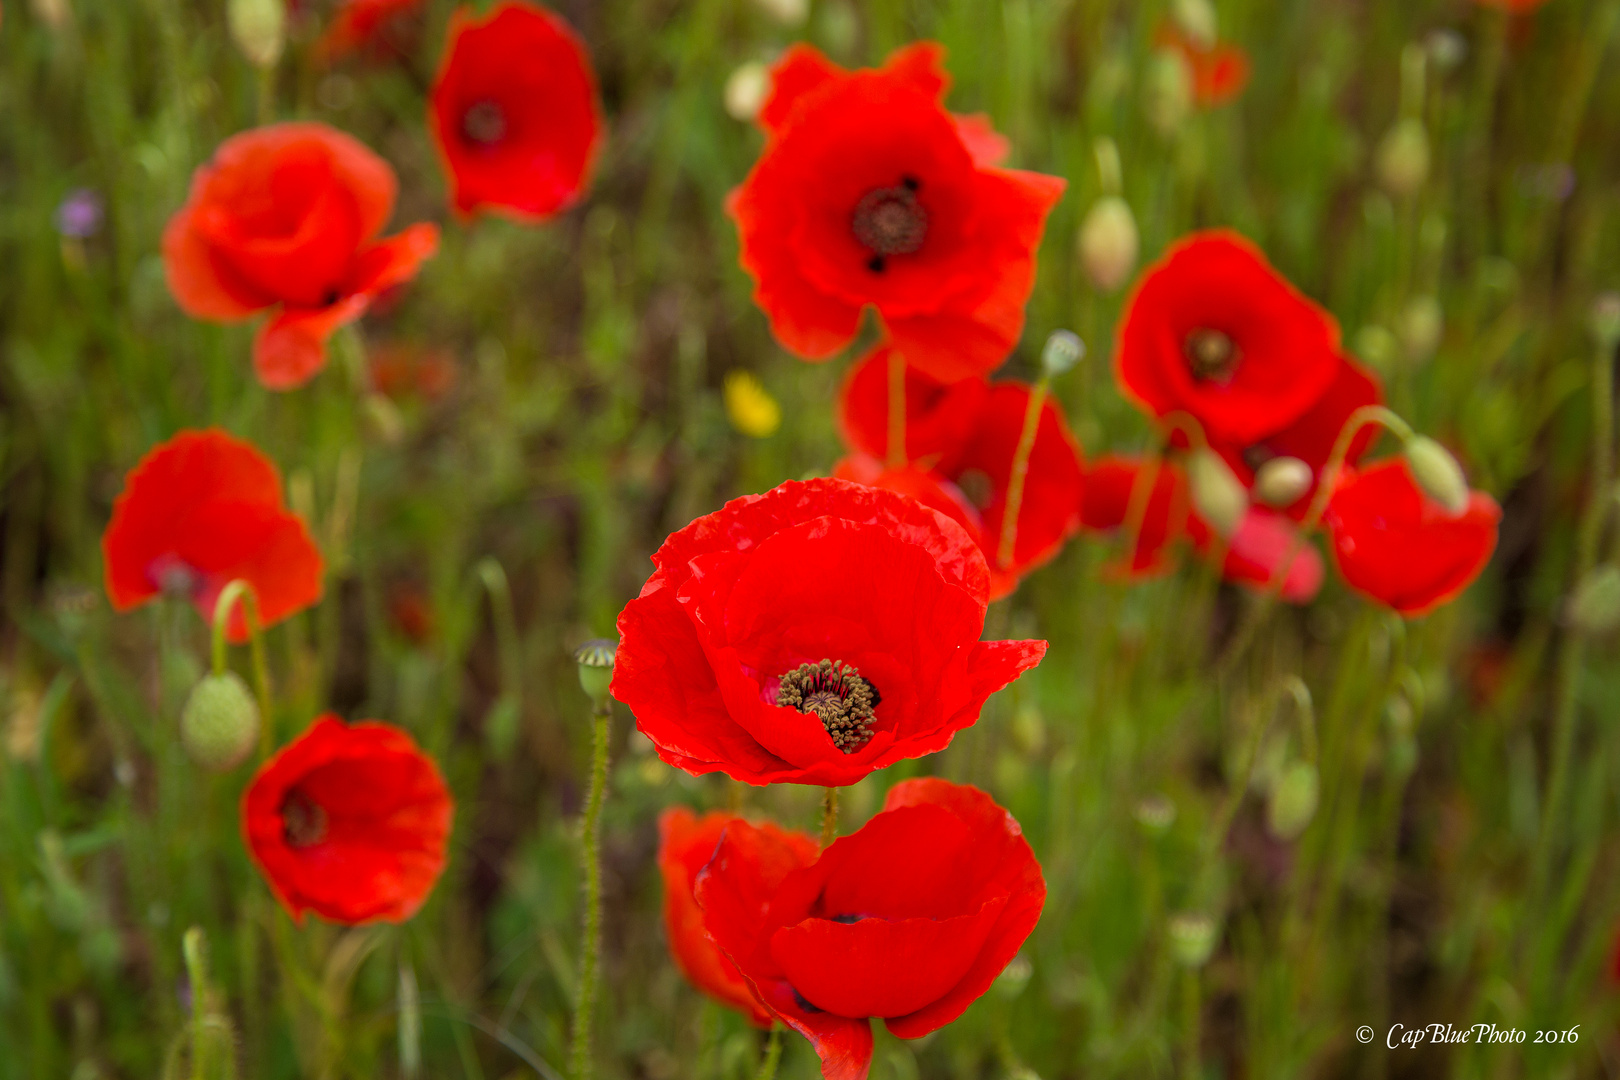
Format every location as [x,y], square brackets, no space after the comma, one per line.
[1218,495]
[1403,158]
[1192,938]
[1281,481]
[1109,243]
[220,722]
[1605,320]
[1014,977]
[1595,607]
[1437,473]
[1293,801]
[1063,350]
[595,659]
[259,28]
[1155,813]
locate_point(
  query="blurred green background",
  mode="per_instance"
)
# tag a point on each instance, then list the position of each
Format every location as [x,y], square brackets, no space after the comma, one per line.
[543,405]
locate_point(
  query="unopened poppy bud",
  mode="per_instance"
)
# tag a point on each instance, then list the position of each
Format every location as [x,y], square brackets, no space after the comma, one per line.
[1421,325]
[259,28]
[1595,607]
[1281,481]
[1167,91]
[786,12]
[1155,813]
[1217,494]
[595,659]
[1192,938]
[1196,21]
[1292,804]
[746,90]
[1605,320]
[1063,350]
[1447,48]
[1437,473]
[1403,157]
[1109,243]
[220,722]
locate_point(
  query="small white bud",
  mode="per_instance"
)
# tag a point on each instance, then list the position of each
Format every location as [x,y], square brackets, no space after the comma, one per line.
[747,89]
[1109,243]
[1281,481]
[220,722]
[1437,473]
[259,28]
[786,12]
[1063,350]
[1217,494]
[1403,157]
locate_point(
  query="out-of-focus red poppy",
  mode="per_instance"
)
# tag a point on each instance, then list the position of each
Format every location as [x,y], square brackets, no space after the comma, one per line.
[1517,7]
[940,417]
[1220,70]
[929,488]
[1401,548]
[1264,541]
[198,512]
[286,218]
[869,193]
[400,370]
[686,842]
[411,612]
[1105,505]
[909,919]
[811,635]
[350,821]
[1214,331]
[514,112]
[360,25]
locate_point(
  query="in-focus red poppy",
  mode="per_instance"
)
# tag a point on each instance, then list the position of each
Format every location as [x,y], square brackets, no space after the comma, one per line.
[1220,70]
[1398,546]
[198,512]
[940,416]
[350,821]
[1264,541]
[514,112]
[360,25]
[869,193]
[811,635]
[686,842]
[1214,331]
[909,919]
[927,487]
[286,219]
[1105,506]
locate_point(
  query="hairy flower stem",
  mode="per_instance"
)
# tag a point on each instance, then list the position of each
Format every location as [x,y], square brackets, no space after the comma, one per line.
[1572,649]
[773,1054]
[829,816]
[228,596]
[897,410]
[590,951]
[1020,473]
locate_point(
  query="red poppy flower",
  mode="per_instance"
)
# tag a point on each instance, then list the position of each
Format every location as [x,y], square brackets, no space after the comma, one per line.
[870,193]
[1214,331]
[359,24]
[286,217]
[1401,548]
[514,112]
[939,416]
[1220,71]
[198,512]
[811,635]
[1252,555]
[1517,7]
[909,919]
[349,821]
[1105,506]
[929,488]
[686,842]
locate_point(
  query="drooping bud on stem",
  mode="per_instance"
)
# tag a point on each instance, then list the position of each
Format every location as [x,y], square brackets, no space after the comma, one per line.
[220,722]
[1293,799]
[1437,473]
[1217,494]
[595,659]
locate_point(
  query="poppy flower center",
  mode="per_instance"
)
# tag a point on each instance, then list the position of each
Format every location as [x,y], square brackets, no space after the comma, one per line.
[303,821]
[837,695]
[175,578]
[890,221]
[484,122]
[1210,354]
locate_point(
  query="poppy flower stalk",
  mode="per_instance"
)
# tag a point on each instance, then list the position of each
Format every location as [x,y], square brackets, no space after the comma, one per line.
[595,659]
[1063,350]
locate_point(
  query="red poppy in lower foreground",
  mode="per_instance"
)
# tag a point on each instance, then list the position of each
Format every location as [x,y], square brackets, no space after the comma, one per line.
[349,821]
[513,112]
[286,218]
[199,511]
[686,843]
[811,635]
[909,919]
[1400,547]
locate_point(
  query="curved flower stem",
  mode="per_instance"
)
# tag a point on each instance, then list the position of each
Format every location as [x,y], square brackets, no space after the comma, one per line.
[1572,648]
[1014,503]
[242,590]
[773,1054]
[829,816]
[585,1001]
[896,443]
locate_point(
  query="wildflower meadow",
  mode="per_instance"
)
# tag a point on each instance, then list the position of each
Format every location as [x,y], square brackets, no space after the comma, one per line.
[766,539]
